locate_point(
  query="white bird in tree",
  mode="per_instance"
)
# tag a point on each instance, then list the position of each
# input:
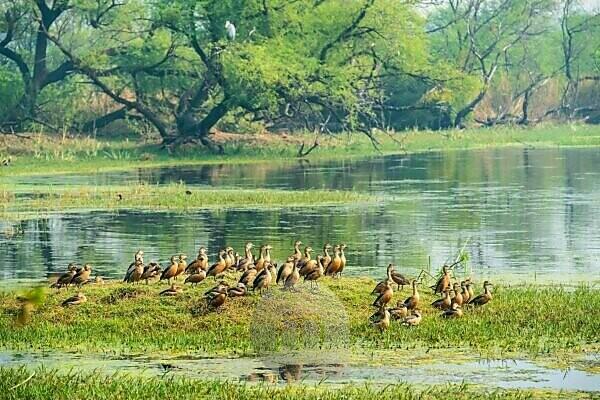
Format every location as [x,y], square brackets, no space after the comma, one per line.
[230,28]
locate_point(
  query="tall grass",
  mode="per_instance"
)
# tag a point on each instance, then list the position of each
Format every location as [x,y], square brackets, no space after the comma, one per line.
[44,154]
[526,319]
[46,384]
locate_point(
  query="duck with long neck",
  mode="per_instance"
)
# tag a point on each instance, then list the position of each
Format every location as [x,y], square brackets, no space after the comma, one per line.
[342,258]
[260,262]
[336,262]
[326,255]
[484,298]
[413,301]
[297,253]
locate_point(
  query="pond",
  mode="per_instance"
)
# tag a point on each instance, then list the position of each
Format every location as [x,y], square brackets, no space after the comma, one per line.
[522,214]
[324,369]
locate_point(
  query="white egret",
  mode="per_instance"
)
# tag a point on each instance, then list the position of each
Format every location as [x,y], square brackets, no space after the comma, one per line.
[230,28]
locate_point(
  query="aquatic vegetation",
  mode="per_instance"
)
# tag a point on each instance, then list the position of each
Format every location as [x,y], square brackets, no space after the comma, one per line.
[178,197]
[44,155]
[519,319]
[42,384]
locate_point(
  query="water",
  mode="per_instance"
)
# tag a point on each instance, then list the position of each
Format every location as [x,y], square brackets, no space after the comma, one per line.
[508,374]
[525,215]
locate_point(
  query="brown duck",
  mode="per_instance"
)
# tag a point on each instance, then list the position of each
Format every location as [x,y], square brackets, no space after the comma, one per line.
[237,291]
[336,262]
[484,298]
[181,265]
[218,268]
[200,263]
[229,257]
[399,312]
[385,297]
[381,285]
[263,258]
[292,279]
[248,259]
[326,255]
[248,277]
[83,276]
[307,264]
[465,292]
[79,298]
[171,270]
[458,297]
[413,301]
[173,290]
[381,319]
[285,270]
[343,259]
[443,282]
[134,274]
[398,278]
[262,280]
[315,274]
[152,270]
[444,302]
[413,320]
[216,301]
[196,278]
[455,311]
[297,255]
[66,278]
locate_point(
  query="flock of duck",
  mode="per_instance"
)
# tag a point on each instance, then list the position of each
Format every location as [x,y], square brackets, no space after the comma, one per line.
[455,295]
[259,274]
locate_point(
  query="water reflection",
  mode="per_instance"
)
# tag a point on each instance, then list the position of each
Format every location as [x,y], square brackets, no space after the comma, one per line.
[526,214]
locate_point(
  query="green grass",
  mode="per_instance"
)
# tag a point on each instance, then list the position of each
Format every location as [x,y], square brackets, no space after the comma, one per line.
[44,155]
[162,197]
[47,384]
[121,318]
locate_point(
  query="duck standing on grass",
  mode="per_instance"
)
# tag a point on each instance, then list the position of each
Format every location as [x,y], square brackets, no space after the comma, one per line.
[170,271]
[484,298]
[195,278]
[66,278]
[413,301]
[381,319]
[443,282]
[83,276]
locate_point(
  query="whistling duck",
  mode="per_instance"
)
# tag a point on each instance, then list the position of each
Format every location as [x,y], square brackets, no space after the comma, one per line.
[285,270]
[398,312]
[152,270]
[230,257]
[248,259]
[196,278]
[384,297]
[381,319]
[216,301]
[297,253]
[248,277]
[470,289]
[484,298]
[413,320]
[237,291]
[260,262]
[138,256]
[262,280]
[135,273]
[79,298]
[465,293]
[398,278]
[381,285]
[315,274]
[171,270]
[306,264]
[444,302]
[66,278]
[83,276]
[413,301]
[171,291]
[200,263]
[336,262]
[343,259]
[444,282]
[181,265]
[458,297]
[221,287]
[293,278]
[218,268]
[326,255]
[453,312]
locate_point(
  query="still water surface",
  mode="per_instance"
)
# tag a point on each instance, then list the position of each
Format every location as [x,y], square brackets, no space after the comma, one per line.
[524,214]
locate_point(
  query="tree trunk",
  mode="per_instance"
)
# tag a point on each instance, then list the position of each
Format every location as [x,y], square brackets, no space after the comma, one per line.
[462,114]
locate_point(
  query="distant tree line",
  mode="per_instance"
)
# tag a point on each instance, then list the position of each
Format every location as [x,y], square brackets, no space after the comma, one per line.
[176,69]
